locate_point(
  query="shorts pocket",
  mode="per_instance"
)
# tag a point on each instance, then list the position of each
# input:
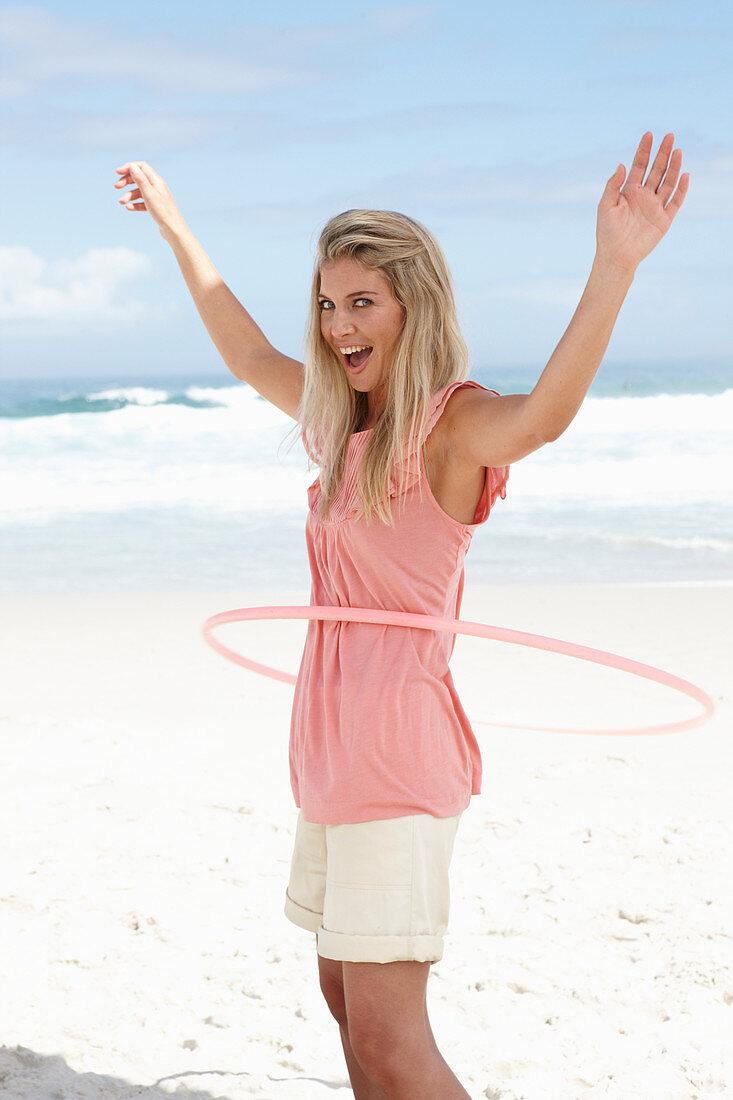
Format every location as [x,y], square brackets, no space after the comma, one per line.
[372,853]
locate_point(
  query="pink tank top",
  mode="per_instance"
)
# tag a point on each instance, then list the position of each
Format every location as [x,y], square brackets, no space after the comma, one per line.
[377,728]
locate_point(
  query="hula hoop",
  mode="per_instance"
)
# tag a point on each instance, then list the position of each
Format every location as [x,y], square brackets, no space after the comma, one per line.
[477,630]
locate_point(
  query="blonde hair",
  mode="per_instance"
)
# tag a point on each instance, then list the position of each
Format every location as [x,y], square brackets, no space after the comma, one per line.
[430,354]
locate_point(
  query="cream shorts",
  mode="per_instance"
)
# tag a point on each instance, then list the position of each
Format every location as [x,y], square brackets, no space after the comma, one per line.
[375,891]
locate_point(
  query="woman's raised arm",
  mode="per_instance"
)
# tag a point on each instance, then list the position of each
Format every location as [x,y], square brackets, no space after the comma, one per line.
[631,222]
[241,343]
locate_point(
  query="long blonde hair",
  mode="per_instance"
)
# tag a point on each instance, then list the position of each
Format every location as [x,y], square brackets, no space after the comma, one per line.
[430,354]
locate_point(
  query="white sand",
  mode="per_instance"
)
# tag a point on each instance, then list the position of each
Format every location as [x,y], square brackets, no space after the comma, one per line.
[147,822]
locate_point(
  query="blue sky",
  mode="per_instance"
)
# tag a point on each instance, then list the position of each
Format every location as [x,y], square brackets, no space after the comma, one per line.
[497,125]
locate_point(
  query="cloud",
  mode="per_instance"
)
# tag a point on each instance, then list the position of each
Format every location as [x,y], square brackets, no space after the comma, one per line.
[166,130]
[46,49]
[87,290]
[641,40]
[711,186]
[42,49]
[566,187]
[398,17]
[555,290]
[569,187]
[149,132]
[101,84]
[637,40]
[428,116]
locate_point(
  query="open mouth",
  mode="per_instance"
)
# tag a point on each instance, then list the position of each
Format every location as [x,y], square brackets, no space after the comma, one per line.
[357,356]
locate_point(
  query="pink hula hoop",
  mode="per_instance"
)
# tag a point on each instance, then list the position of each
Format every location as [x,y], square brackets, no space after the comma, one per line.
[477,630]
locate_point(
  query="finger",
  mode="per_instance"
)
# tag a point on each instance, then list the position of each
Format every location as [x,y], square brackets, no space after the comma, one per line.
[136,206]
[661,162]
[613,187]
[143,170]
[679,196]
[667,186]
[641,159]
[128,172]
[134,173]
[125,178]
[130,196]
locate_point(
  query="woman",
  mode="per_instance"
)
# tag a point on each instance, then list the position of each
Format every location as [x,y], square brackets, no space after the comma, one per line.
[412,457]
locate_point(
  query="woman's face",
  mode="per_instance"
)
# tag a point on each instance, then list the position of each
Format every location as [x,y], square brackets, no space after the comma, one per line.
[358,310]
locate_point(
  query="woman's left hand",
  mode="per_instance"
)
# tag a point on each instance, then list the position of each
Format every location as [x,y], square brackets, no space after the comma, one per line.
[633,219]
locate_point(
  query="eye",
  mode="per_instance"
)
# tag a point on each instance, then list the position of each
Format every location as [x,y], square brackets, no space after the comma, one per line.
[326,303]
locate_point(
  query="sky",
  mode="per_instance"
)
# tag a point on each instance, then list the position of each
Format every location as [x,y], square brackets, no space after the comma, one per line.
[497,125]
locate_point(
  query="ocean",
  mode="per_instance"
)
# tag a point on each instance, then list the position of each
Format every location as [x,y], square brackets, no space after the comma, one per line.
[171,483]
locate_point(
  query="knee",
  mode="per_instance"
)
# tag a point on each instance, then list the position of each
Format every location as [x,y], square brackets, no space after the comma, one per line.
[385,1053]
[372,1048]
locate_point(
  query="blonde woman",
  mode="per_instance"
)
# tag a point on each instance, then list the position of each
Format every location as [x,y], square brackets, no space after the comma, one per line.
[412,457]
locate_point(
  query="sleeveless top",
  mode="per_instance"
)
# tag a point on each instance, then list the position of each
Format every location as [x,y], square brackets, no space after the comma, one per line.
[377,728]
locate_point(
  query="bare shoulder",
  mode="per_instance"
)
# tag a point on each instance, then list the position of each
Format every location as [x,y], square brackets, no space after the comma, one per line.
[443,451]
[463,409]
[480,428]
[465,399]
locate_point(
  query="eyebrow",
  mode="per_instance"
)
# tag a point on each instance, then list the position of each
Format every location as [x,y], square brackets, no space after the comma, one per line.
[354,295]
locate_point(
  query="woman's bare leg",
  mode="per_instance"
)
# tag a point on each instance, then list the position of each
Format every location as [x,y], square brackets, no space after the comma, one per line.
[390,1034]
[332,987]
[364,1089]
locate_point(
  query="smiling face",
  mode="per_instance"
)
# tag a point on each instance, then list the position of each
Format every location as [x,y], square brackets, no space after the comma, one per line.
[359,311]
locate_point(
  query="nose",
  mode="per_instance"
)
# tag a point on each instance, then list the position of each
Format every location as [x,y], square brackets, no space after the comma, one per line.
[341,323]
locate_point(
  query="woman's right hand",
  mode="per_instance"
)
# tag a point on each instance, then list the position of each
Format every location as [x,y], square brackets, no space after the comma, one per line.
[153,195]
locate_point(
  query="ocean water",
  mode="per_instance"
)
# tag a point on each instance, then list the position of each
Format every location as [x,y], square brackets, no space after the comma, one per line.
[172,483]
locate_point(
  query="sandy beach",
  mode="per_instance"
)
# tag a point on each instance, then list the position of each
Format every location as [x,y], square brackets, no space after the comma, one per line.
[147,823]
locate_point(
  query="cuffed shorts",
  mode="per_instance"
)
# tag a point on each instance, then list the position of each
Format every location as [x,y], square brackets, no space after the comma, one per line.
[374,891]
